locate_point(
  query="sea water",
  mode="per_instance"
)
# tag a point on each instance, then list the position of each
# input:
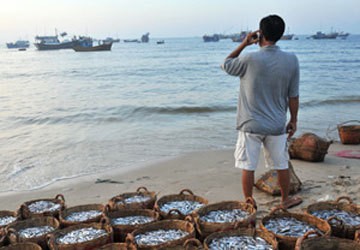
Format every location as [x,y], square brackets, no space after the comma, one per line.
[65,114]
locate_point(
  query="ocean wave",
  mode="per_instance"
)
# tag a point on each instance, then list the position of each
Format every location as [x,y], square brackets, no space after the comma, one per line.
[345,100]
[183,109]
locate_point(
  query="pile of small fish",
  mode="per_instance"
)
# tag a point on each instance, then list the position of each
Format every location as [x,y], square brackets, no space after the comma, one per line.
[349,219]
[135,199]
[81,235]
[185,207]
[6,220]
[239,242]
[132,220]
[289,227]
[158,237]
[83,215]
[43,206]
[224,216]
[32,232]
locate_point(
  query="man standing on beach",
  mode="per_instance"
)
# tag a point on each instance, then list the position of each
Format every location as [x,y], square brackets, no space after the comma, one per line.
[269,84]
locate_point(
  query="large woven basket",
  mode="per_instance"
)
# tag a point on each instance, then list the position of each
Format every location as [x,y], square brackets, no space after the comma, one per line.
[22,246]
[13,229]
[287,242]
[349,134]
[24,211]
[338,229]
[325,243]
[6,213]
[87,245]
[128,245]
[121,231]
[184,195]
[268,237]
[2,237]
[81,208]
[206,228]
[184,225]
[141,191]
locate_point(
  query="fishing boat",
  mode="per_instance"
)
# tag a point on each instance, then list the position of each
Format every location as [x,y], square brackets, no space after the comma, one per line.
[160,42]
[131,41]
[18,44]
[239,37]
[112,40]
[145,38]
[321,35]
[213,38]
[343,35]
[53,42]
[86,44]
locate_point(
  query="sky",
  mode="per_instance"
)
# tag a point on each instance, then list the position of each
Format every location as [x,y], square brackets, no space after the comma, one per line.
[23,19]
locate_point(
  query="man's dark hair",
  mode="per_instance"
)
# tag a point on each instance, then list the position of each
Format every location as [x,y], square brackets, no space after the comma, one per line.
[272,27]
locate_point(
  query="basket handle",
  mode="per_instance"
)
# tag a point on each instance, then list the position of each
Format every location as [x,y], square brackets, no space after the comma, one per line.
[175,210]
[335,218]
[50,238]
[190,219]
[197,223]
[186,190]
[23,212]
[357,236]
[191,242]
[347,122]
[157,215]
[344,198]
[107,209]
[119,198]
[276,209]
[12,231]
[60,197]
[138,190]
[130,239]
[104,221]
[304,237]
[251,201]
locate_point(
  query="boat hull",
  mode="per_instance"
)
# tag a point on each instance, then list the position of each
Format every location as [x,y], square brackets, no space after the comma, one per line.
[44,46]
[102,47]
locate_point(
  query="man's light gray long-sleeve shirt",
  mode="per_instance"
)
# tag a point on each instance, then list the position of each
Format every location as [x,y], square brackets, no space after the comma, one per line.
[268,78]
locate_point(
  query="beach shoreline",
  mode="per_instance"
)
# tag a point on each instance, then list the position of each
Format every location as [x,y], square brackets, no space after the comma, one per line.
[210,174]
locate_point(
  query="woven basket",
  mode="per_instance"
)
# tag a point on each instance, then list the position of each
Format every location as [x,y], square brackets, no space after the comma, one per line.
[12,229]
[268,237]
[206,228]
[184,225]
[193,244]
[325,243]
[349,134]
[82,208]
[128,245]
[24,211]
[5,213]
[182,196]
[287,242]
[88,245]
[121,231]
[338,229]
[2,237]
[142,191]
[22,246]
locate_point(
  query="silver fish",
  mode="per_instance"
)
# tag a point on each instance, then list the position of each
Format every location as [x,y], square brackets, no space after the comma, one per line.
[135,199]
[83,215]
[289,227]
[32,232]
[81,235]
[131,220]
[349,219]
[185,207]
[239,242]
[225,216]
[43,206]
[6,220]
[158,237]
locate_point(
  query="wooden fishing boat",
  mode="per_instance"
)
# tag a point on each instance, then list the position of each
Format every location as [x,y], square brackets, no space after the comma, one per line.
[101,47]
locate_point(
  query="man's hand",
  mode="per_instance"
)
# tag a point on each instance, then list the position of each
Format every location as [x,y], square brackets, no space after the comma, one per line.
[291,129]
[251,38]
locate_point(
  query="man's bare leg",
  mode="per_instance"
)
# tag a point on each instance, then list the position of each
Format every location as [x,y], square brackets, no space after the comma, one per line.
[284,182]
[247,183]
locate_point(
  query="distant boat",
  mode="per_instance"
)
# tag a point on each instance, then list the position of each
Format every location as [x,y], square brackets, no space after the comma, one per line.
[18,44]
[86,44]
[321,35]
[160,42]
[239,37]
[287,37]
[53,42]
[110,39]
[213,38]
[131,41]
[22,49]
[145,38]
[343,35]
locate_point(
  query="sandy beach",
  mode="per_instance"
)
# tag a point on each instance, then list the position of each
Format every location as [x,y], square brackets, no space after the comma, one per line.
[209,174]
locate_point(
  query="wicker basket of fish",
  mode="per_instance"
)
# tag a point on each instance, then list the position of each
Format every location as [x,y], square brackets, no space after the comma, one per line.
[124,221]
[42,207]
[22,246]
[241,238]
[81,214]
[325,243]
[185,202]
[343,217]
[81,237]
[223,216]
[7,217]
[288,227]
[32,230]
[166,234]
[128,245]
[2,237]
[142,198]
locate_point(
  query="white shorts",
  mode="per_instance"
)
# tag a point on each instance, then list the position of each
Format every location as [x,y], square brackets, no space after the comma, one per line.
[248,149]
